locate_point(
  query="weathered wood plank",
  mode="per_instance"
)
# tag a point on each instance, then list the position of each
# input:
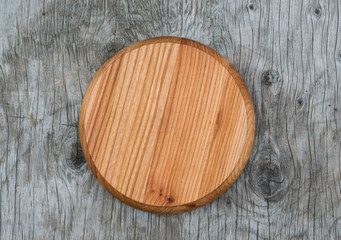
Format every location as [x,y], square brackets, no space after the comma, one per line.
[289,54]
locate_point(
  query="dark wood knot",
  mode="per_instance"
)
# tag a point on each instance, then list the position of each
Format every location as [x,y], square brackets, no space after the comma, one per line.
[76,160]
[301,99]
[228,201]
[317,11]
[113,47]
[270,77]
[269,179]
[170,199]
[300,102]
[251,6]
[110,49]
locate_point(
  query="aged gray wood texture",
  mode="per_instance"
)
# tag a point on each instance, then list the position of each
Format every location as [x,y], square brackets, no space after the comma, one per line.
[289,53]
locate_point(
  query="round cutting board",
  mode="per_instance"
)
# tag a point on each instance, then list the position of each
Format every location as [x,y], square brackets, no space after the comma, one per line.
[167,125]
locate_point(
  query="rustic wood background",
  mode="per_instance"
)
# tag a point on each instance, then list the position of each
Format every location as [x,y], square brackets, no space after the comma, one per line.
[288,52]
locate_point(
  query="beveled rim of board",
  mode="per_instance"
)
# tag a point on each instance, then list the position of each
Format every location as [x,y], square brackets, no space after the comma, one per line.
[248,143]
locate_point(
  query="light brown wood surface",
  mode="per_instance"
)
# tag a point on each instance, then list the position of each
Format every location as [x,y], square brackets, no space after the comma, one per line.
[167,125]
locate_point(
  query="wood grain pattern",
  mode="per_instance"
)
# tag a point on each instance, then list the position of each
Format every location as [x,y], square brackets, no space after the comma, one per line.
[167,125]
[288,52]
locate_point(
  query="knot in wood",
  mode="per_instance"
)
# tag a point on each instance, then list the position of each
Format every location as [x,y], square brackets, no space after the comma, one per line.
[301,99]
[252,6]
[270,77]
[170,199]
[76,160]
[269,180]
[317,11]
[300,102]
[112,47]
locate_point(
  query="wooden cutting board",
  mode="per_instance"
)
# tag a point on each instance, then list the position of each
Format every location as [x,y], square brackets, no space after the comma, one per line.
[167,125]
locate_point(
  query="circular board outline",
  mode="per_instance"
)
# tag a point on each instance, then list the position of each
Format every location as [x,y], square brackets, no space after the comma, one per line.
[250,134]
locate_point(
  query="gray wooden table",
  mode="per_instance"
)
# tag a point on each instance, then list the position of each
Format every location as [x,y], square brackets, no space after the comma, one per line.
[288,52]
